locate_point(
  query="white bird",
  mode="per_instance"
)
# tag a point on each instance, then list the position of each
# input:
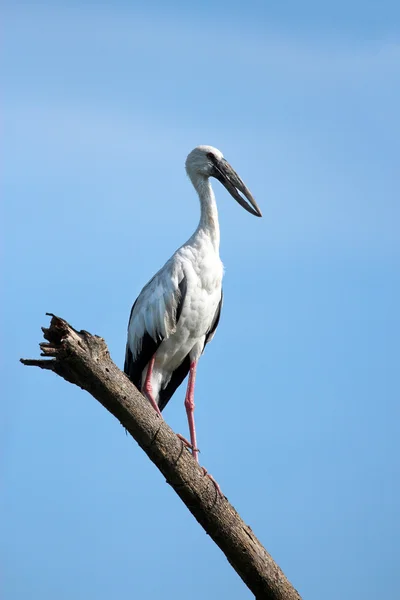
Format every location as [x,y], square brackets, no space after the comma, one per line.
[177,312]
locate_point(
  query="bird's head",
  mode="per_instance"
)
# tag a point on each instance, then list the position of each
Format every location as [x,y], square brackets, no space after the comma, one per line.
[205,161]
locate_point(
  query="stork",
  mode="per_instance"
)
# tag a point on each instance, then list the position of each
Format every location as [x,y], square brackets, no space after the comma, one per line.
[177,312]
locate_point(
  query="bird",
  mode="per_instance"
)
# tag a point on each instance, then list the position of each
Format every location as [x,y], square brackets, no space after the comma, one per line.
[177,312]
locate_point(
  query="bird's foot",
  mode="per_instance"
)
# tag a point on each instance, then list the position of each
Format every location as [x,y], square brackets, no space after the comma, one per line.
[156,408]
[207,474]
[153,403]
[187,444]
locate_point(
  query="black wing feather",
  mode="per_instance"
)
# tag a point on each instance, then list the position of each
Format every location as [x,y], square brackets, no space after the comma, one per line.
[182,290]
[215,322]
[134,368]
[177,377]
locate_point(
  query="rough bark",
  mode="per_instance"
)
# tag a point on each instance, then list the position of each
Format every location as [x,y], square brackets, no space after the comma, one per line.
[83,359]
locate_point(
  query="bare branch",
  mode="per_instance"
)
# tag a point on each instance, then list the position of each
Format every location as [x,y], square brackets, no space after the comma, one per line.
[83,359]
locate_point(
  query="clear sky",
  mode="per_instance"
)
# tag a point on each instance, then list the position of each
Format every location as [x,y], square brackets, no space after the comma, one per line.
[298,394]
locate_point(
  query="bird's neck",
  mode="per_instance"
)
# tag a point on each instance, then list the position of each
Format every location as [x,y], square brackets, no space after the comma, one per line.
[208,224]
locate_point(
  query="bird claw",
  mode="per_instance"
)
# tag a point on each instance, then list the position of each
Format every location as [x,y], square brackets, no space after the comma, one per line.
[207,474]
[186,443]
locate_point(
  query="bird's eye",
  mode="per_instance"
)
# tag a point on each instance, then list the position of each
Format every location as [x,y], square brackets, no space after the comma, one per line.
[211,156]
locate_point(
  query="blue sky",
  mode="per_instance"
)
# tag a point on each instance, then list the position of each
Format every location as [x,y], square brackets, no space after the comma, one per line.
[298,394]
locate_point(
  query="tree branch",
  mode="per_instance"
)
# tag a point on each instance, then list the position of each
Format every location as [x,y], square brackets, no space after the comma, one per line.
[83,359]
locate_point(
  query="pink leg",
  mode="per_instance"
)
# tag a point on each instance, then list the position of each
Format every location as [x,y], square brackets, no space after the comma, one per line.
[189,405]
[147,387]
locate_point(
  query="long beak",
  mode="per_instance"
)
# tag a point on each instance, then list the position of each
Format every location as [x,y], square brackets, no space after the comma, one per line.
[231,180]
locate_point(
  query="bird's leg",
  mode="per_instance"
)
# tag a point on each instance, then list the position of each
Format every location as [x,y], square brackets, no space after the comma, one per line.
[147,387]
[189,405]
